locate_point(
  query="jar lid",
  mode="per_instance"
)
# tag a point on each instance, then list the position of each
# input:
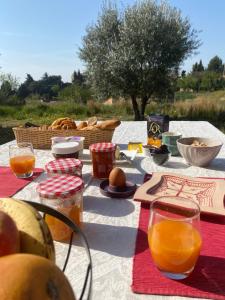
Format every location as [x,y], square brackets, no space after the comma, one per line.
[63,165]
[66,148]
[60,186]
[102,147]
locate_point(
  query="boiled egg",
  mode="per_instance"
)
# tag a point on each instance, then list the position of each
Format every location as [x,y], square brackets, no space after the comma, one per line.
[117,177]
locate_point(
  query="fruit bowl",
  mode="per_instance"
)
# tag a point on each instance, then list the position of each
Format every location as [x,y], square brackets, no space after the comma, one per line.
[198,151]
[87,285]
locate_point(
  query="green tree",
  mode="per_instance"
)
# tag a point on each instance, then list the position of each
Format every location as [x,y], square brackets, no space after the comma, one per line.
[48,87]
[12,80]
[183,74]
[136,53]
[216,65]
[195,68]
[6,89]
[25,89]
[201,67]
[198,67]
[76,93]
[78,78]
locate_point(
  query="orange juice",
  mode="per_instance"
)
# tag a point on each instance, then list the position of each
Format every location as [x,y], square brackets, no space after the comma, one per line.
[59,230]
[175,245]
[22,164]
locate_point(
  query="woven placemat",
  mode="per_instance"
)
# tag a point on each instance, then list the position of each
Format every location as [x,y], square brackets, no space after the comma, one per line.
[10,184]
[208,278]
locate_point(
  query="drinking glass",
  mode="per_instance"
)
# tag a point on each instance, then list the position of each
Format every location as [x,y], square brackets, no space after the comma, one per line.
[174,235]
[22,159]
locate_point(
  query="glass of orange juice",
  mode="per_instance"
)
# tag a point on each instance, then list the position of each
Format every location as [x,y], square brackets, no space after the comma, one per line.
[22,159]
[174,235]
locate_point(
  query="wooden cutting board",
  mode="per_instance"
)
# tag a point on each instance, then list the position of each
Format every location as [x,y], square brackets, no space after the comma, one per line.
[208,192]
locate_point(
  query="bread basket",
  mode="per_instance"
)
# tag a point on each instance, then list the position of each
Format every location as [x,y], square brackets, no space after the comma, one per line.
[41,138]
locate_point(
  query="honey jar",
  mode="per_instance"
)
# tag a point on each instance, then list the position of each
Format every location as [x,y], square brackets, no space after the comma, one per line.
[65,194]
[103,158]
[66,166]
[135,146]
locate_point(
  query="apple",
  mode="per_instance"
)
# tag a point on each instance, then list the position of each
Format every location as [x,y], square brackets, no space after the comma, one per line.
[9,235]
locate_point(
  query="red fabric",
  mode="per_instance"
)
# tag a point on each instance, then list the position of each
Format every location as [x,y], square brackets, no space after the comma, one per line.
[102,147]
[208,278]
[62,166]
[10,184]
[60,186]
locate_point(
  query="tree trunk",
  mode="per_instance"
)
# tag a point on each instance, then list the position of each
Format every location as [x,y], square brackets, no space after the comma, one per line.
[144,101]
[137,116]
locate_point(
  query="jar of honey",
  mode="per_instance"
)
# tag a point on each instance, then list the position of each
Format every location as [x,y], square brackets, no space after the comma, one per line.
[65,194]
[66,166]
[103,158]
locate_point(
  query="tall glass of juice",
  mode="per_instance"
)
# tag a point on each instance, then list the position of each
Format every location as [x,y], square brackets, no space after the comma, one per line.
[174,236]
[22,159]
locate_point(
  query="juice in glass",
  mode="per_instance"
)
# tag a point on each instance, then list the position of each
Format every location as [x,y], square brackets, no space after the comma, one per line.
[174,235]
[22,164]
[174,245]
[22,159]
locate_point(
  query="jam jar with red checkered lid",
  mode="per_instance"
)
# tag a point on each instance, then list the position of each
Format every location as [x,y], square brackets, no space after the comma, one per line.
[103,158]
[65,194]
[64,166]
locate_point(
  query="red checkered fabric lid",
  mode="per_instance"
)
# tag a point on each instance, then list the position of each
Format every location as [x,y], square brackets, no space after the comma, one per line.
[60,186]
[102,147]
[64,165]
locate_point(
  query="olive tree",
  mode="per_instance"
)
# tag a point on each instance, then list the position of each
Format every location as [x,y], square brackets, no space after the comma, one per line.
[135,53]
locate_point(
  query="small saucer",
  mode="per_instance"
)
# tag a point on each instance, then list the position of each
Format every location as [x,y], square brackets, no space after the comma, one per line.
[128,190]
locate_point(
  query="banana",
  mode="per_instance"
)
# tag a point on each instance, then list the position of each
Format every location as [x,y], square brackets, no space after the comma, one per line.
[35,237]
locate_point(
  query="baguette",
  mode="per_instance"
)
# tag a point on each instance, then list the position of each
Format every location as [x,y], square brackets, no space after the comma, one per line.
[109,124]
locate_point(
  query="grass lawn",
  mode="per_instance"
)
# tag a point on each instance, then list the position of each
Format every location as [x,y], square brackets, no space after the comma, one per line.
[208,106]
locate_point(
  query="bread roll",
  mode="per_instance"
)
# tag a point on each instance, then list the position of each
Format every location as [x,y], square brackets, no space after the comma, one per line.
[92,121]
[56,127]
[58,121]
[82,125]
[91,127]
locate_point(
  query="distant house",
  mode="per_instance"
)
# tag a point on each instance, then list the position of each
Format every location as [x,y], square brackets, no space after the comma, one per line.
[108,101]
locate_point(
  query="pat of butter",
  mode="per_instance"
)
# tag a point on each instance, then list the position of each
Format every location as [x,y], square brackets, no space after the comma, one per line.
[135,146]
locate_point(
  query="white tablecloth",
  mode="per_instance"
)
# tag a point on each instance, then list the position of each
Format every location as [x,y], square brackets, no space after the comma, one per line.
[110,225]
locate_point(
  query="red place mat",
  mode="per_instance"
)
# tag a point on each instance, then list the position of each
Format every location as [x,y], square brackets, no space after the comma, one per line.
[208,278]
[10,184]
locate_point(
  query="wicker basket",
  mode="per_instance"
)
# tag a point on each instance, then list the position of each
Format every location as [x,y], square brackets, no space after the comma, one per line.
[41,138]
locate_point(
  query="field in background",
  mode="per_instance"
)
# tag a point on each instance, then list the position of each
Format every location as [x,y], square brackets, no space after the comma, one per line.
[187,106]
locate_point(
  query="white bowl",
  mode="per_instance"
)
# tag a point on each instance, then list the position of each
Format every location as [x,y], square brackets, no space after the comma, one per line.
[199,156]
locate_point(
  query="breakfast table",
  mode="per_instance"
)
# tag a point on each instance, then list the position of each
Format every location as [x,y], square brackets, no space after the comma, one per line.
[110,225]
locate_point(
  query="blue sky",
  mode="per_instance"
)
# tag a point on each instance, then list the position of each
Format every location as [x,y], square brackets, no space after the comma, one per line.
[38,36]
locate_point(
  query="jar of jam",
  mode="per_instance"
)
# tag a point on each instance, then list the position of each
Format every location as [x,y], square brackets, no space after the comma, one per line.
[66,150]
[66,166]
[65,194]
[103,158]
